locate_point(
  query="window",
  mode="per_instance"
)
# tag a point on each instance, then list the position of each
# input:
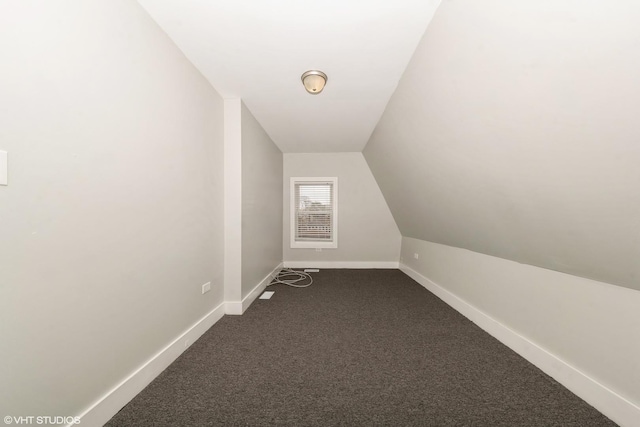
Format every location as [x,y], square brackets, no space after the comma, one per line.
[314,212]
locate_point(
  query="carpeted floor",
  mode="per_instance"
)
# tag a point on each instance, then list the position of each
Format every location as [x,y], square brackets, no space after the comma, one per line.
[357,348]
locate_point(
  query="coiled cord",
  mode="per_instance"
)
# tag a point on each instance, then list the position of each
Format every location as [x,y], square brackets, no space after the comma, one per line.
[292,278]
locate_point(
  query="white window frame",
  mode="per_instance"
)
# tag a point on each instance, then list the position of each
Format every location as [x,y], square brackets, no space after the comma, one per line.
[310,244]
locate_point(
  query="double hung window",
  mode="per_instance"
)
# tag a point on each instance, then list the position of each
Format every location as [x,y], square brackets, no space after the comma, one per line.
[314,212]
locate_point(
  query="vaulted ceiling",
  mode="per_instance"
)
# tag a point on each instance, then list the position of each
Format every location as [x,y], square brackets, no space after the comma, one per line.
[523,142]
[507,128]
[257,50]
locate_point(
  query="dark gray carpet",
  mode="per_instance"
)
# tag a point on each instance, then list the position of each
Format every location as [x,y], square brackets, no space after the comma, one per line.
[357,348]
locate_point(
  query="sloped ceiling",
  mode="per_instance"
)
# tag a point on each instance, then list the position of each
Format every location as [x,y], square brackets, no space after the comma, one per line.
[257,50]
[515,132]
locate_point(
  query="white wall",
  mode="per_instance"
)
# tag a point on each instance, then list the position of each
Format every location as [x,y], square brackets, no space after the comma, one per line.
[261,203]
[513,133]
[367,233]
[112,219]
[593,327]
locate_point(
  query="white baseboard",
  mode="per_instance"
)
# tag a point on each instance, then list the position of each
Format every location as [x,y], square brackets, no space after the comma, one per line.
[109,404]
[341,264]
[600,397]
[239,307]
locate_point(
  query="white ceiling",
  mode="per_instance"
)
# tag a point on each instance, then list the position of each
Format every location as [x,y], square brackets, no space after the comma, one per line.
[257,50]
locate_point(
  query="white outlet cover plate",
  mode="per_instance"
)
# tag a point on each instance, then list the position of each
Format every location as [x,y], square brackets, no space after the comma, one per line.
[4,175]
[267,294]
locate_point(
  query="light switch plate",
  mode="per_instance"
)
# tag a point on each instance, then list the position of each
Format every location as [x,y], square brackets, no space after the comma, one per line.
[4,175]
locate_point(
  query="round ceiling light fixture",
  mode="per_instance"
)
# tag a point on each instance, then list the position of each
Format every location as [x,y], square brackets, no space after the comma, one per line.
[314,81]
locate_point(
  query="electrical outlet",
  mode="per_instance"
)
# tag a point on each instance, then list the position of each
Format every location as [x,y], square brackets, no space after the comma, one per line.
[318,249]
[416,256]
[206,287]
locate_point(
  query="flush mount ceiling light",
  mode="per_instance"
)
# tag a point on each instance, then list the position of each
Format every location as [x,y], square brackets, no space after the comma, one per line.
[314,81]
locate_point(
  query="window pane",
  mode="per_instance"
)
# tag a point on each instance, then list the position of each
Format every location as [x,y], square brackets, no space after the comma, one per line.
[314,210]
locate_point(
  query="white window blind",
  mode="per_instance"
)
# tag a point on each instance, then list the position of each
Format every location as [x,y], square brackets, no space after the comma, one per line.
[314,212]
